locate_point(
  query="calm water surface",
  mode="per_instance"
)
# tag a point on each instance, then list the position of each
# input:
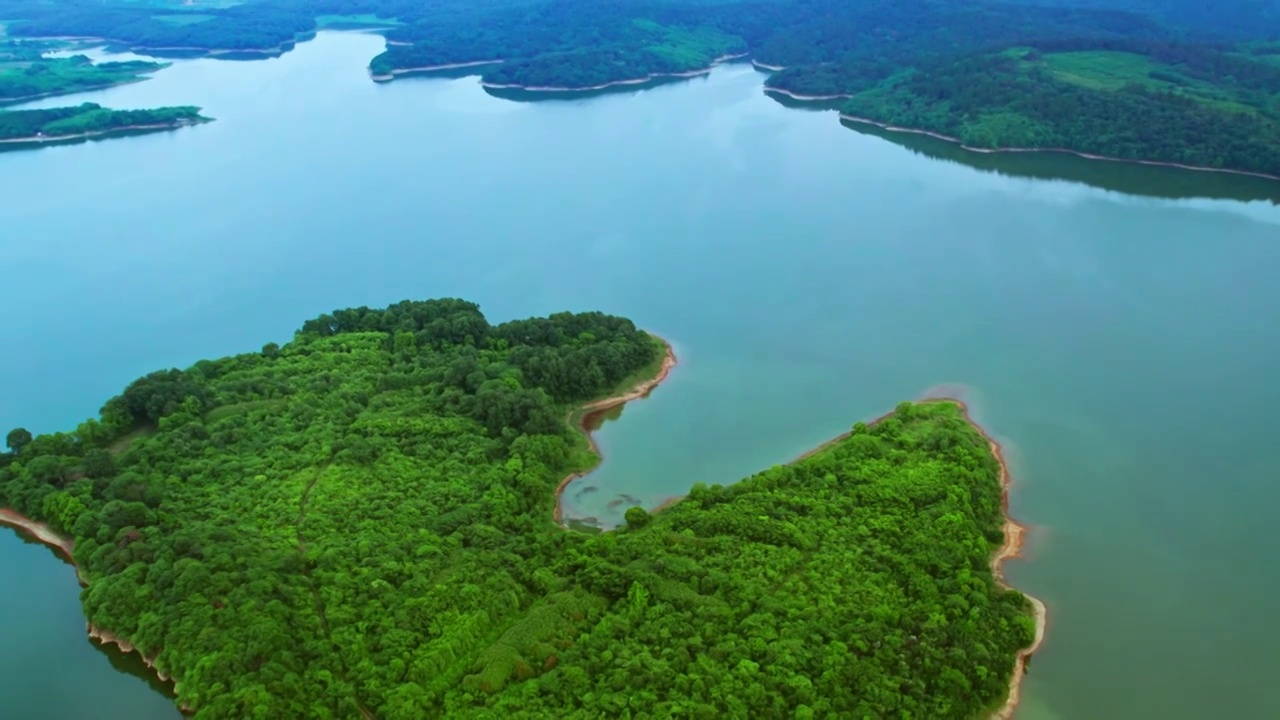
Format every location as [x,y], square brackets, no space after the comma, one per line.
[1123,343]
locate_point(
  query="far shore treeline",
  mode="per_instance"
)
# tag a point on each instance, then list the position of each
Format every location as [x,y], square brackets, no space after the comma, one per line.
[1175,81]
[359,522]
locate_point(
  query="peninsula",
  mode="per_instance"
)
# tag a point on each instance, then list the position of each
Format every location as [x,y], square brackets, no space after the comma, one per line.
[89,120]
[26,74]
[358,522]
[1168,82]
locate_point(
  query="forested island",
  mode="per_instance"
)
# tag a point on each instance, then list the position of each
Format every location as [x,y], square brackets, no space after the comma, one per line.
[26,74]
[1174,81]
[89,120]
[359,523]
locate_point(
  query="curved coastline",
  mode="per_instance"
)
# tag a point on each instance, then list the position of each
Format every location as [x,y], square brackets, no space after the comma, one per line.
[142,49]
[1014,532]
[806,98]
[615,83]
[1014,536]
[1068,151]
[44,139]
[398,72]
[640,390]
[767,68]
[64,547]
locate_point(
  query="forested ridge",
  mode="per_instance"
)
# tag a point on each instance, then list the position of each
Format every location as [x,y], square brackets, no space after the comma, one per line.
[26,73]
[359,523]
[1206,98]
[90,119]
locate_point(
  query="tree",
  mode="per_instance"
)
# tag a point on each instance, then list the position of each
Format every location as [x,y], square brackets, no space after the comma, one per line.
[18,438]
[637,517]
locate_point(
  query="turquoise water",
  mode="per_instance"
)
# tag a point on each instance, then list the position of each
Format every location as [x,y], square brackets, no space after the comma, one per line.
[1121,344]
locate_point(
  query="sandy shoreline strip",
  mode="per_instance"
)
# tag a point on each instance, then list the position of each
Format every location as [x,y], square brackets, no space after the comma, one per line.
[640,390]
[397,72]
[806,98]
[1087,156]
[1014,533]
[1014,536]
[64,546]
[41,139]
[767,68]
[616,83]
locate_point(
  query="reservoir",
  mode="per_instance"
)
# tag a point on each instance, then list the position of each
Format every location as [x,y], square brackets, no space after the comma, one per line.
[1113,325]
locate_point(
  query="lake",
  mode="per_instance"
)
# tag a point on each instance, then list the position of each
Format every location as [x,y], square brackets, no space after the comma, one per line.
[1116,331]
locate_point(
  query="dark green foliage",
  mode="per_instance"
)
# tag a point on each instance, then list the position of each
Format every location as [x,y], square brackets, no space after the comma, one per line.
[90,118]
[17,439]
[896,53]
[1001,101]
[25,73]
[261,25]
[358,522]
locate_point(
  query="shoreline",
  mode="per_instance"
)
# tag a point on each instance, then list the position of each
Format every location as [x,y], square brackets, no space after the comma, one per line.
[1068,151]
[42,139]
[615,83]
[64,546]
[1014,537]
[767,68]
[640,390]
[806,98]
[398,72]
[94,39]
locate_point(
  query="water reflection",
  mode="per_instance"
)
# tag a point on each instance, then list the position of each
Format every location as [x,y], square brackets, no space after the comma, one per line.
[1129,178]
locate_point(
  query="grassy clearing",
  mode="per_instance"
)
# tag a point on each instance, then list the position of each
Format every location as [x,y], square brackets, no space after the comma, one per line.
[1102,70]
[1110,71]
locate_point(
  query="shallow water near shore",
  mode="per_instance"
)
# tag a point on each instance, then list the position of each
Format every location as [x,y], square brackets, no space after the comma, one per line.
[1121,345]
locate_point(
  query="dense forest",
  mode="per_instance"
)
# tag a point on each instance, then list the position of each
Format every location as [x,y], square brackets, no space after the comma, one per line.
[359,523]
[1210,81]
[26,73]
[90,119]
[1203,109]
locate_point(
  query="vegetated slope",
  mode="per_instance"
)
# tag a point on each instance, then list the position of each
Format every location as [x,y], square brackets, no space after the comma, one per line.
[854,583]
[25,73]
[360,522]
[1168,103]
[91,119]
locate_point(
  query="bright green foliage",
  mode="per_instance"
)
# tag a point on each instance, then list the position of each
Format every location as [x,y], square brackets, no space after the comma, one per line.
[855,583]
[358,523]
[360,517]
[91,118]
[24,73]
[1195,107]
